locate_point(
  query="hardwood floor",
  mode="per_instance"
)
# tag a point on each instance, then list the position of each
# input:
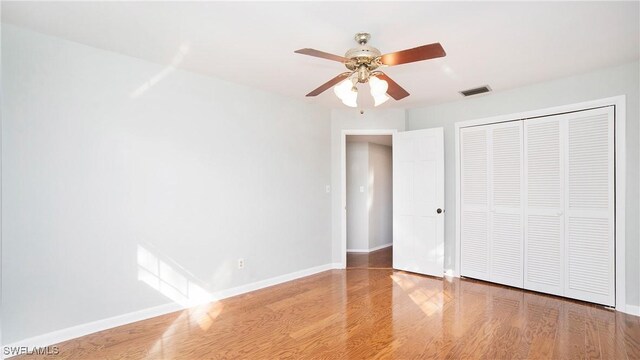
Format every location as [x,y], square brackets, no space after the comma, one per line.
[380,259]
[374,314]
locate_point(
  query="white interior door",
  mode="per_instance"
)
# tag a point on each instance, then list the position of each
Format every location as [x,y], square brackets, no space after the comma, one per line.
[418,201]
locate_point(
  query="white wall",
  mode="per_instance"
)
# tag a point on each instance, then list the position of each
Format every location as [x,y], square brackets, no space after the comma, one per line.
[98,183]
[1,147]
[621,80]
[380,195]
[357,210]
[348,119]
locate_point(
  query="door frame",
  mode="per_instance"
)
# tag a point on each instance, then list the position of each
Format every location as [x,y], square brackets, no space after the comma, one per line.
[619,103]
[343,182]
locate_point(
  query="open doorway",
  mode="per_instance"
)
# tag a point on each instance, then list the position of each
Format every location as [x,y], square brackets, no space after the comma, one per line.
[369,201]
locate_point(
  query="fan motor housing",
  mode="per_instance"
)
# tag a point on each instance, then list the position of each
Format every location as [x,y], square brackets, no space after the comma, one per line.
[363,54]
[364,51]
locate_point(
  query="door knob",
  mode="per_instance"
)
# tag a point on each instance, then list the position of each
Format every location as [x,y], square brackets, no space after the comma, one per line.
[439,211]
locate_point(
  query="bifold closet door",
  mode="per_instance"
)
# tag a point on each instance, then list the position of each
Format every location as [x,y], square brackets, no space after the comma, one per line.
[589,206]
[569,212]
[474,211]
[491,199]
[506,203]
[544,217]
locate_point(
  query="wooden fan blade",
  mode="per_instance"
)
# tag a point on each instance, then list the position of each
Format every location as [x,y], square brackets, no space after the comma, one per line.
[322,54]
[420,53]
[329,84]
[395,91]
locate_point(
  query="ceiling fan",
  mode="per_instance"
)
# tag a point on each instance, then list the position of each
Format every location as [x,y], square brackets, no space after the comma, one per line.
[363,62]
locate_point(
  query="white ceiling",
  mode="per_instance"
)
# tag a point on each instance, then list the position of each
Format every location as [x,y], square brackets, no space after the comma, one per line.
[501,44]
[375,139]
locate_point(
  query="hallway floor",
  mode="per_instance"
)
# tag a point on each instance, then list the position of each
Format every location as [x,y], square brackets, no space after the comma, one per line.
[379,259]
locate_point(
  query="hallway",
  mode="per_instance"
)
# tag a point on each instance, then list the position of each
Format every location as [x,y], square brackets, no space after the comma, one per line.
[379,259]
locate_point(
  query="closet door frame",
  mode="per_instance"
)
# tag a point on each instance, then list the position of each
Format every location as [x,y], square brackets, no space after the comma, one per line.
[619,103]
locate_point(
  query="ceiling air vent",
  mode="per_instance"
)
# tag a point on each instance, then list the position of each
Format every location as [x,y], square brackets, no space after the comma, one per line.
[476,91]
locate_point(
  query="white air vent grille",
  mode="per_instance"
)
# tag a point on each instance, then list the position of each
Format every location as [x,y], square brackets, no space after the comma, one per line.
[475,91]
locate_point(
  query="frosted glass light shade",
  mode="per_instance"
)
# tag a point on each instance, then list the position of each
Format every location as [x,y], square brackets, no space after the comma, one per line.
[378,87]
[380,99]
[343,89]
[351,99]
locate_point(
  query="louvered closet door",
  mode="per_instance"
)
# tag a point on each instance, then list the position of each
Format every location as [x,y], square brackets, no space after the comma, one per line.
[491,192]
[474,240]
[544,206]
[569,210]
[589,207]
[505,216]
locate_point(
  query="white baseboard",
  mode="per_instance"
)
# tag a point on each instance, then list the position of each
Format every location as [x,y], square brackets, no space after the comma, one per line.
[632,309]
[73,332]
[59,336]
[270,282]
[383,246]
[370,250]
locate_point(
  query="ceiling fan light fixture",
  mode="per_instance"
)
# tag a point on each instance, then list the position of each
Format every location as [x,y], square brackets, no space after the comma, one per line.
[347,92]
[343,89]
[352,104]
[351,99]
[378,87]
[362,61]
[380,99]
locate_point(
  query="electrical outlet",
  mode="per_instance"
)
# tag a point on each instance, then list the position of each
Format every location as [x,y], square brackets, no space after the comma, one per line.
[241,263]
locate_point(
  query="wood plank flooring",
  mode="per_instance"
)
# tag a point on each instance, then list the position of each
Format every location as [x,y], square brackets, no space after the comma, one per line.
[379,259]
[374,314]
